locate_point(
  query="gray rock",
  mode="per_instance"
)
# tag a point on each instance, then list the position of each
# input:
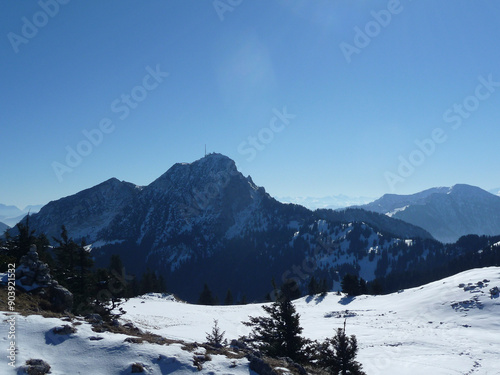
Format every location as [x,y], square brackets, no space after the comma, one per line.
[26,281]
[495,291]
[35,367]
[259,366]
[137,368]
[94,318]
[239,344]
[64,330]
[61,298]
[299,368]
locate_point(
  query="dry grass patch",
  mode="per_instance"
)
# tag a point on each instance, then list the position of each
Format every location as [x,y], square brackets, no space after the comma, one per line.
[28,303]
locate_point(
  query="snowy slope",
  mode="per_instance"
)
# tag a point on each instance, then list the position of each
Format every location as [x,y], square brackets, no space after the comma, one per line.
[79,354]
[439,328]
[446,327]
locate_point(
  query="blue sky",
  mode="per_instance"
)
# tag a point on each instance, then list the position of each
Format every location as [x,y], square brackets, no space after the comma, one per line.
[357,84]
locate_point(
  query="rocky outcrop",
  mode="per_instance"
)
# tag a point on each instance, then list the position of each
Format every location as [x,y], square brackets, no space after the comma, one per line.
[35,367]
[60,297]
[33,274]
[258,365]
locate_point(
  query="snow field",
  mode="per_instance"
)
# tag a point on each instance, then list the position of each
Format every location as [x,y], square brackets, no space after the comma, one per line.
[437,329]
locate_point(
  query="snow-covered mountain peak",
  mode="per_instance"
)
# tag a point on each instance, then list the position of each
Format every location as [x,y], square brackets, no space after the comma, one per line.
[468,190]
[446,212]
[215,160]
[208,169]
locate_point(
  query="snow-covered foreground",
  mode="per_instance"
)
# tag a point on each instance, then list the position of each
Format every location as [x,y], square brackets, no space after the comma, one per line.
[439,328]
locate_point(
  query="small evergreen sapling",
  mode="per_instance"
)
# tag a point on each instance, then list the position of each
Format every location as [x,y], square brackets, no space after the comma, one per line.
[337,354]
[216,337]
[278,335]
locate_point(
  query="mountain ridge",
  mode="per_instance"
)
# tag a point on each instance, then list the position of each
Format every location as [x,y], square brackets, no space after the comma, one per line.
[446,212]
[190,190]
[3,227]
[11,215]
[204,220]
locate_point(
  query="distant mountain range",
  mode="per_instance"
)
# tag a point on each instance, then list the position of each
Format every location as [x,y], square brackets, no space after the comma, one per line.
[11,215]
[3,228]
[446,212]
[204,222]
[329,202]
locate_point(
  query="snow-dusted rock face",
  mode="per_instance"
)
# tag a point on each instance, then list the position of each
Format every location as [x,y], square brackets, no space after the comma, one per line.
[446,213]
[187,212]
[86,213]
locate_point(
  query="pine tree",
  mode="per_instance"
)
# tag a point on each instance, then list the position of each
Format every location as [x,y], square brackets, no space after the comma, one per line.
[323,289]
[133,287]
[375,287]
[20,244]
[206,297]
[216,337]
[151,283]
[278,335]
[229,298]
[66,258]
[116,264]
[83,270]
[337,354]
[118,283]
[161,286]
[148,281]
[313,287]
[350,285]
[290,289]
[363,288]
[73,268]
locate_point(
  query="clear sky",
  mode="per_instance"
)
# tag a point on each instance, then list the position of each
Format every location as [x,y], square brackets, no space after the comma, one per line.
[309,97]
